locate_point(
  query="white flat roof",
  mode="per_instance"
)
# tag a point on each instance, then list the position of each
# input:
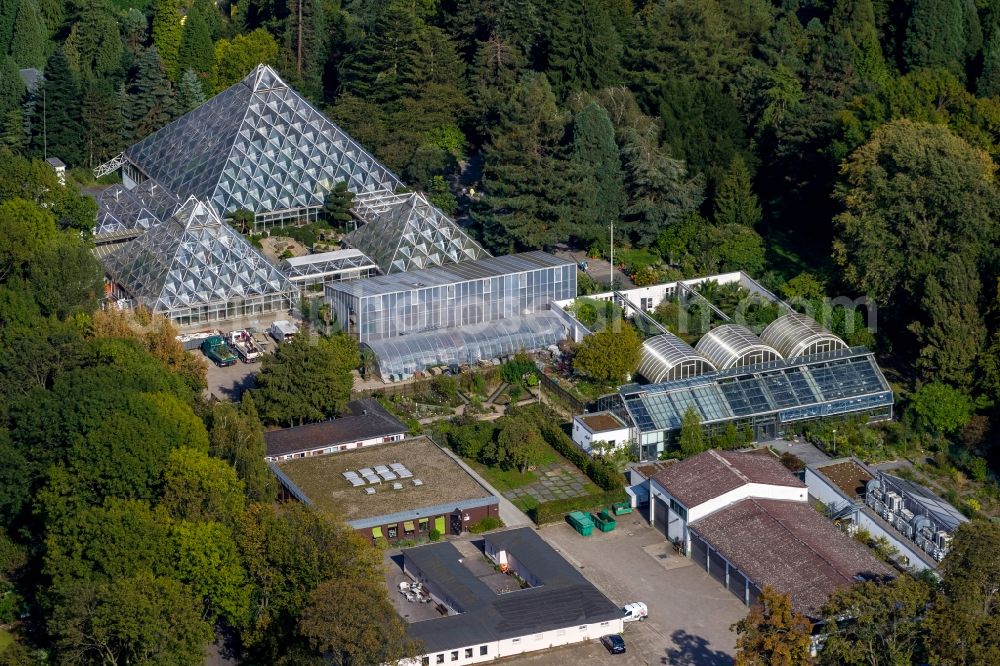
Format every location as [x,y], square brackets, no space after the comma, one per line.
[324,256]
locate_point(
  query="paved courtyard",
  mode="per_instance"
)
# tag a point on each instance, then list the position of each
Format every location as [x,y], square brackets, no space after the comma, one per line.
[557,480]
[689,613]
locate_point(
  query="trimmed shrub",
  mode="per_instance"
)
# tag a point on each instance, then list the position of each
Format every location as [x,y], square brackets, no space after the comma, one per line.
[556,510]
[434,535]
[485,525]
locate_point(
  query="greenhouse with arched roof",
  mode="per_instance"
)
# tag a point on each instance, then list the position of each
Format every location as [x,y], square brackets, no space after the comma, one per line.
[735,346]
[666,357]
[799,335]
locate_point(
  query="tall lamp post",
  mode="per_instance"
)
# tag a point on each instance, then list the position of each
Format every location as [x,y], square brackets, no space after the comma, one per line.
[834,441]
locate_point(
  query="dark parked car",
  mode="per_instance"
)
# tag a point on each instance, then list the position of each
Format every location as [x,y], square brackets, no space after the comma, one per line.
[615,643]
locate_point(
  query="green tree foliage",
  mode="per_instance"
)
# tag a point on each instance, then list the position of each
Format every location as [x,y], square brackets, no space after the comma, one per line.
[988,84]
[936,35]
[103,120]
[206,559]
[200,488]
[517,445]
[772,634]
[735,201]
[167,33]
[235,58]
[337,207]
[26,231]
[196,51]
[582,49]
[941,409]
[151,96]
[610,355]
[302,382]
[595,157]
[380,67]
[94,45]
[28,42]
[911,183]
[692,438]
[12,88]
[877,623]
[963,619]
[190,91]
[8,12]
[525,193]
[237,437]
[332,626]
[61,131]
[141,619]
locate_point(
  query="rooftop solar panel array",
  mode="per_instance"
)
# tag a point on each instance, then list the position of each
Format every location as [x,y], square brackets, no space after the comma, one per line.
[834,382]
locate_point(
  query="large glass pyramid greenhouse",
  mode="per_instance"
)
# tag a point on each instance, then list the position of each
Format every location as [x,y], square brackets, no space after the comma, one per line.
[259,145]
[194,268]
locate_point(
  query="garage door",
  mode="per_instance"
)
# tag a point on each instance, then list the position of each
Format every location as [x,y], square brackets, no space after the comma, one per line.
[717,567]
[698,551]
[660,515]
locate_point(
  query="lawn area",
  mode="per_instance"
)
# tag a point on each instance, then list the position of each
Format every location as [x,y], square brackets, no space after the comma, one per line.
[502,480]
[6,638]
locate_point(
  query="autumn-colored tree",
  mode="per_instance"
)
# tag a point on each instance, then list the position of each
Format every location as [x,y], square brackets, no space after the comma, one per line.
[772,634]
[609,355]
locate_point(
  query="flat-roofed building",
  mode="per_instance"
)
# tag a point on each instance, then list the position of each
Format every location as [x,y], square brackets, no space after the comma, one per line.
[589,429]
[367,424]
[313,271]
[394,491]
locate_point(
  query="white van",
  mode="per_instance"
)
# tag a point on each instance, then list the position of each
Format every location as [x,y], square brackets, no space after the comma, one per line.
[635,612]
[283,330]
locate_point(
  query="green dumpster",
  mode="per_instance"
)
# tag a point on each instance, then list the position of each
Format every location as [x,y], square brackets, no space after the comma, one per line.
[621,507]
[605,521]
[581,522]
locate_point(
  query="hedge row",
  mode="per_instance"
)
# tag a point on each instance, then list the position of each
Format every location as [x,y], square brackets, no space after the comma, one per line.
[605,475]
[556,510]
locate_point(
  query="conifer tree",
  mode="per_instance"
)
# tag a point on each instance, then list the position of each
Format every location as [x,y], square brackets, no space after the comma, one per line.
[11,85]
[190,92]
[583,50]
[57,131]
[209,11]
[94,45]
[526,194]
[196,51]
[988,84]
[8,12]
[376,69]
[103,122]
[53,13]
[735,201]
[315,43]
[596,159]
[338,205]
[692,438]
[28,41]
[936,36]
[167,31]
[152,103]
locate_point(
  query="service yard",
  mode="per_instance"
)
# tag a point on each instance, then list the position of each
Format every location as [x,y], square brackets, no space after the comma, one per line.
[229,383]
[689,613]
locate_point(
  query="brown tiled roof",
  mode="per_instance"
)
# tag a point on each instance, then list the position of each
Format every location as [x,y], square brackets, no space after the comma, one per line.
[367,419]
[789,546]
[713,473]
[601,422]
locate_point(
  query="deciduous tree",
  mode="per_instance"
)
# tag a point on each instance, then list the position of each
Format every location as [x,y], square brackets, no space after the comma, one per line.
[167,31]
[772,634]
[235,58]
[692,438]
[610,355]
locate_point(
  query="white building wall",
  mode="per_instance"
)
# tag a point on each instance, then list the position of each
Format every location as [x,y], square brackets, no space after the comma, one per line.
[527,643]
[585,438]
[339,447]
[823,490]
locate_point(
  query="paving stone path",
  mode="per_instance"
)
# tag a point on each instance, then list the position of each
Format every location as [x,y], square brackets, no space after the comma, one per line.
[556,480]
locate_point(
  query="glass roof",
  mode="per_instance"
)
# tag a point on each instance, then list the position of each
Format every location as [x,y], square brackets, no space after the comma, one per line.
[325,263]
[823,384]
[732,345]
[943,513]
[258,145]
[403,356]
[404,232]
[665,355]
[453,274]
[122,210]
[795,334]
[193,259]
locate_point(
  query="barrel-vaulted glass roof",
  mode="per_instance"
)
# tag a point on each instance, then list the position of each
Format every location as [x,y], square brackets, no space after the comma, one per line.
[838,382]
[666,356]
[732,345]
[403,356]
[796,334]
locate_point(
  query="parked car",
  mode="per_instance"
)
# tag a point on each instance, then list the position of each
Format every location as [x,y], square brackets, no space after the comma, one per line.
[635,612]
[615,643]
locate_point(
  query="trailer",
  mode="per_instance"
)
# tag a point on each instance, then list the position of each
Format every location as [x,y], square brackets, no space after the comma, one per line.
[283,330]
[246,347]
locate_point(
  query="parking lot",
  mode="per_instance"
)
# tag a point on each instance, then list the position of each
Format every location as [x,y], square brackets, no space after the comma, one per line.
[689,613]
[229,383]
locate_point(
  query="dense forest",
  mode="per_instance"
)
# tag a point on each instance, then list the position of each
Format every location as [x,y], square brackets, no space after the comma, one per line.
[827,147]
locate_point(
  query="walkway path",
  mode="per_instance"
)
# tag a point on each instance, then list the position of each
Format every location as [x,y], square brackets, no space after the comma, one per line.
[509,514]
